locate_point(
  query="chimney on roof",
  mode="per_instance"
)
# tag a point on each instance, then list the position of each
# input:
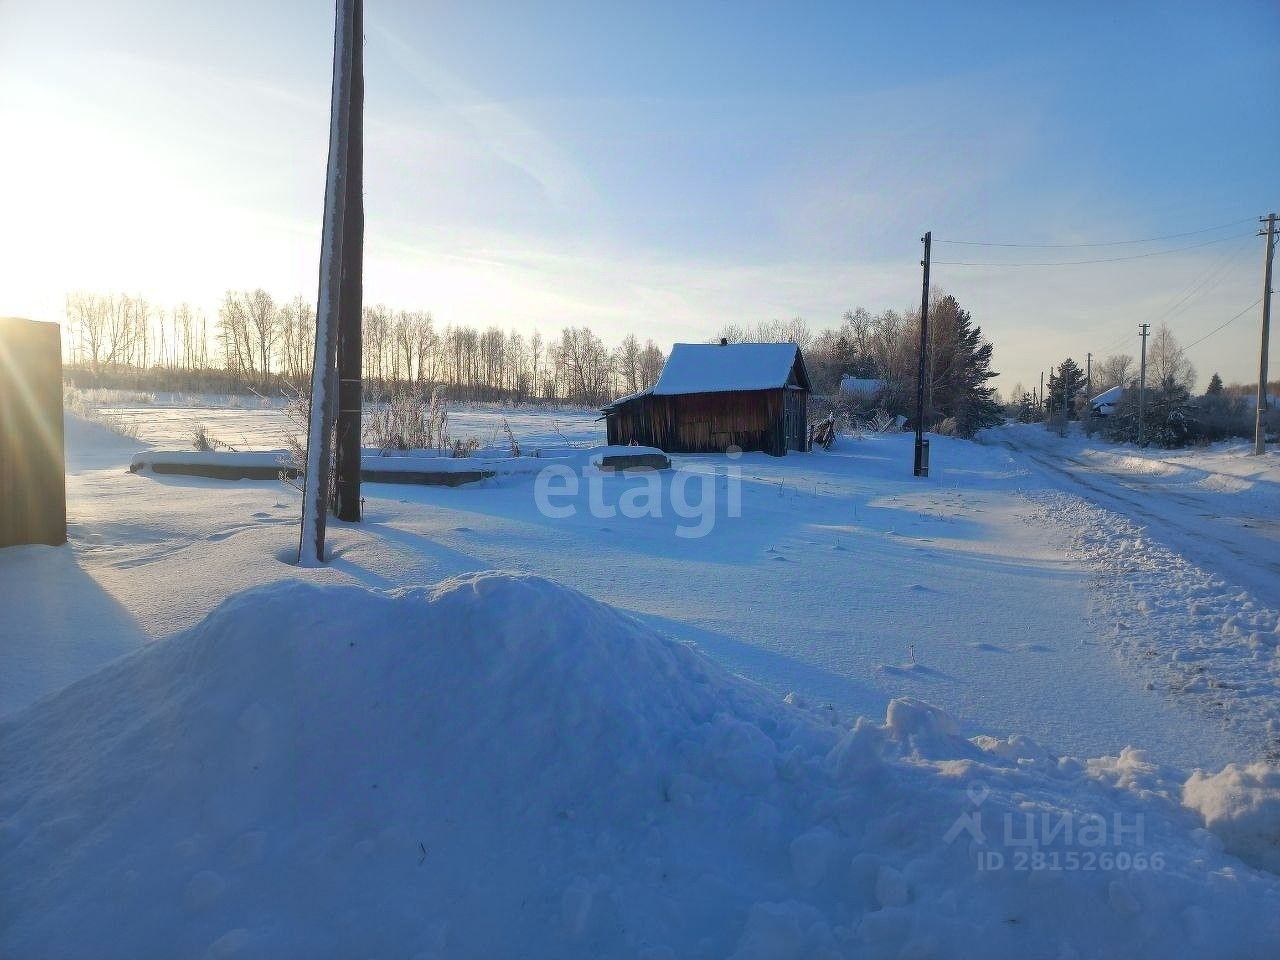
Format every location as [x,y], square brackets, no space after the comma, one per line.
[724,341]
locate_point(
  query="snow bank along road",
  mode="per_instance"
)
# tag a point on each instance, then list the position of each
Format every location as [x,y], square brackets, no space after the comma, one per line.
[1220,509]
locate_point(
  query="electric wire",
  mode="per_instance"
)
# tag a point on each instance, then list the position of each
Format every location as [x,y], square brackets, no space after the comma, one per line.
[1092,243]
[1074,263]
[1206,282]
[1223,325]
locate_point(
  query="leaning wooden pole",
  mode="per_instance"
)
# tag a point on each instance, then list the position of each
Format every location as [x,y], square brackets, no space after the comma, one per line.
[350,387]
[316,488]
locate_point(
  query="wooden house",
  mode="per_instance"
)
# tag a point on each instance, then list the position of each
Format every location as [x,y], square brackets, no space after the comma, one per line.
[711,396]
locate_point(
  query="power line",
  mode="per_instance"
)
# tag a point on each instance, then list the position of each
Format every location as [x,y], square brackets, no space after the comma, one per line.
[1117,342]
[1072,263]
[1097,243]
[1206,282]
[1221,325]
[1124,337]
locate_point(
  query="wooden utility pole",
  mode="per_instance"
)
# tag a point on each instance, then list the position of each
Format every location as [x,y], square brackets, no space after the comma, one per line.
[1260,424]
[1086,415]
[922,447]
[1066,400]
[1142,386]
[350,354]
[316,488]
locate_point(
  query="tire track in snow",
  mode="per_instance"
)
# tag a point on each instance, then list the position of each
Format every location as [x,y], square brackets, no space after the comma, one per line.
[1215,644]
[1255,567]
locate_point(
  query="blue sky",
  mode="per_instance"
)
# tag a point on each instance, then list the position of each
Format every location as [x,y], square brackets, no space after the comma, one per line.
[659,168]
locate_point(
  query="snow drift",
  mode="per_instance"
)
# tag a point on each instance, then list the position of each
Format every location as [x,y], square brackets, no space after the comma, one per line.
[1241,805]
[499,766]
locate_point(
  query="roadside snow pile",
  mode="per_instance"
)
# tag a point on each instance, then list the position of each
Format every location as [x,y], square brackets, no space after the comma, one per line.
[499,766]
[1241,804]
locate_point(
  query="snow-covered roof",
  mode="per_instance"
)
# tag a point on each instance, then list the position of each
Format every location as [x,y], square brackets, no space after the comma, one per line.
[721,367]
[630,396]
[1251,400]
[715,368]
[1108,397]
[861,385]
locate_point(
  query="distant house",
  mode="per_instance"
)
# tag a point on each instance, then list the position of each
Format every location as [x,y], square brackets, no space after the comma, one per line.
[1104,404]
[861,386]
[710,397]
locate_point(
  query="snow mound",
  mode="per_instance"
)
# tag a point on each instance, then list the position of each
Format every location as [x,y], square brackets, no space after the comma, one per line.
[500,766]
[1241,805]
[81,435]
[81,431]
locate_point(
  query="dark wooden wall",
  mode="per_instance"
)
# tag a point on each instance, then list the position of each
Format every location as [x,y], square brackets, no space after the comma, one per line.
[772,421]
[796,418]
[33,492]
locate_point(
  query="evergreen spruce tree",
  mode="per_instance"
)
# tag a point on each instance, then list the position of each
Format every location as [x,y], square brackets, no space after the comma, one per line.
[1215,386]
[1169,419]
[960,369]
[1027,410]
[1067,380]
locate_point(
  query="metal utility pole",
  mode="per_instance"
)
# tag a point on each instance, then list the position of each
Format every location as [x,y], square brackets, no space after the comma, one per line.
[922,445]
[316,488]
[350,358]
[1144,329]
[1260,426]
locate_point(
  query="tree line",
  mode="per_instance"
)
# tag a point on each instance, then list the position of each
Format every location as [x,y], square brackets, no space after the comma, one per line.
[261,344]
[258,343]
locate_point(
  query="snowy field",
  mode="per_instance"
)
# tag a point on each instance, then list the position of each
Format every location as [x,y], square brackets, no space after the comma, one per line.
[983,589]
[261,423]
[1057,598]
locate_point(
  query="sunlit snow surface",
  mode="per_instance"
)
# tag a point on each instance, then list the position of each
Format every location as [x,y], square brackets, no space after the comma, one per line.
[500,766]
[261,423]
[1040,591]
[994,588]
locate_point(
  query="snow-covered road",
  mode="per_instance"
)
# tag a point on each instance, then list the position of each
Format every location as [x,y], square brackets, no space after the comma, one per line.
[1220,510]
[1183,550]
